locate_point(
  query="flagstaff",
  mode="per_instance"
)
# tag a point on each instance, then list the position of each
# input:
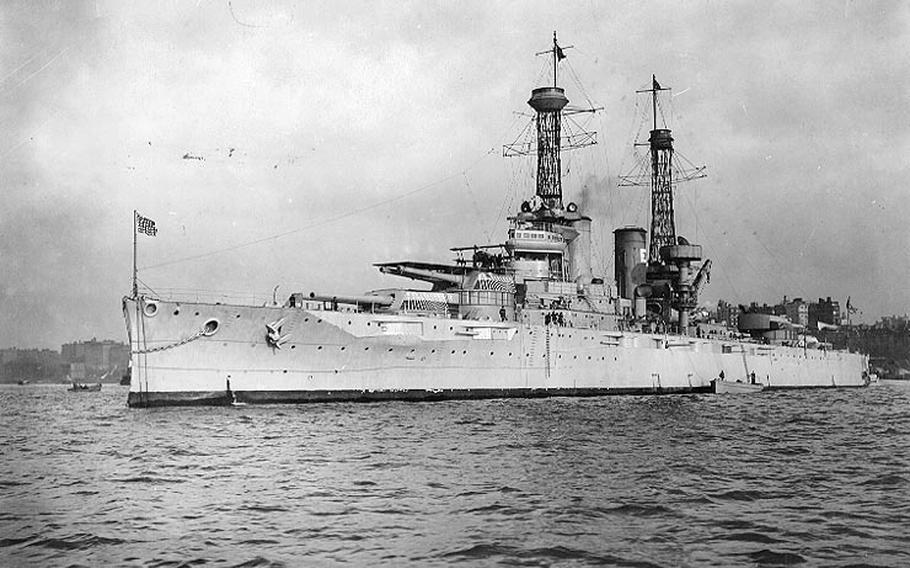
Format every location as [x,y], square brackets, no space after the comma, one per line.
[135,284]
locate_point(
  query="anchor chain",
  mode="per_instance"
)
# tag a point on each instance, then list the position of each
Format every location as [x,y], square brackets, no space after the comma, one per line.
[193,337]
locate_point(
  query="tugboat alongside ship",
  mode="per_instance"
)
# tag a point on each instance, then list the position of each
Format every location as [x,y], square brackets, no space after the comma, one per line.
[523,318]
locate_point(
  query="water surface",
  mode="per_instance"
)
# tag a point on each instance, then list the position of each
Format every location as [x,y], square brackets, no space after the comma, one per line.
[809,478]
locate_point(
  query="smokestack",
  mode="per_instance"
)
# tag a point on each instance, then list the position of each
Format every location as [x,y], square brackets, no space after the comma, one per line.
[629,251]
[580,252]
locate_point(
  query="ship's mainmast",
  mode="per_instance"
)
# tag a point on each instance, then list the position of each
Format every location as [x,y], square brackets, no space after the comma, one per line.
[663,175]
[673,276]
[663,223]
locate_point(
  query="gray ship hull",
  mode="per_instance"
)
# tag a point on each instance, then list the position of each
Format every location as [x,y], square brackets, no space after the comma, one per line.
[288,355]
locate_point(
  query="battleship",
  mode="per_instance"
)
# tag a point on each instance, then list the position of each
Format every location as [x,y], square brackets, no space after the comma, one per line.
[527,317]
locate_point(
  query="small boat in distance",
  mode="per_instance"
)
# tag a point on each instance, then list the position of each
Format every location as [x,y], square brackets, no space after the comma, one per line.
[722,386]
[81,387]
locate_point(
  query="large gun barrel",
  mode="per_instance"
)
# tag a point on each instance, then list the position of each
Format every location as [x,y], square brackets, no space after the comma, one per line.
[421,274]
[365,300]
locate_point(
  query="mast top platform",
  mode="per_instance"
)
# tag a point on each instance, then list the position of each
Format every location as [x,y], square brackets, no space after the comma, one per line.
[661,139]
[548,99]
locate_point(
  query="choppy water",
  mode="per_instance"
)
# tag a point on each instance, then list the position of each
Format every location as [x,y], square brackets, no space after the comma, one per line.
[816,478]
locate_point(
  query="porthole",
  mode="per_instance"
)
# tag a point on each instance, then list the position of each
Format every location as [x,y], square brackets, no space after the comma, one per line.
[176,312]
[210,327]
[150,309]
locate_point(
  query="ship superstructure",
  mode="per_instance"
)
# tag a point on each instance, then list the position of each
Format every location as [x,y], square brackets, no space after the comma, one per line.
[524,317]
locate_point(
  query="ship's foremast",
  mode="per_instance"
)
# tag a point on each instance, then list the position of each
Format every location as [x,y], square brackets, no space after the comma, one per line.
[548,241]
[549,102]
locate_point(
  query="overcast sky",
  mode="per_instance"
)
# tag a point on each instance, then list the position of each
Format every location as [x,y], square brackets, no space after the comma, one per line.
[306,140]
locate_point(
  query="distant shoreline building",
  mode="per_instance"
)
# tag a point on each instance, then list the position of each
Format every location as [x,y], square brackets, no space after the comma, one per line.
[94,359]
[29,364]
[83,360]
[825,312]
[797,311]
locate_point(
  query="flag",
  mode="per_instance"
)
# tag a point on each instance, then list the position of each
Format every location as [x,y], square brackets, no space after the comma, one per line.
[655,85]
[850,308]
[146,225]
[559,54]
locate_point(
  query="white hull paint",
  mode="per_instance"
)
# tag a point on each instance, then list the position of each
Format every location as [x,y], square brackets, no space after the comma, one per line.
[336,355]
